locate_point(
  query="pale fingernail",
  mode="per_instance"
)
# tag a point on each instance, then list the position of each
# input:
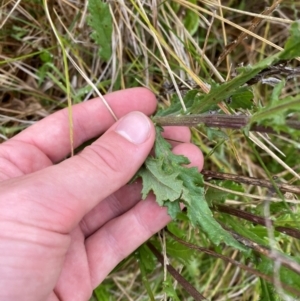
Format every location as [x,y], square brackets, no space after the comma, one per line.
[135,127]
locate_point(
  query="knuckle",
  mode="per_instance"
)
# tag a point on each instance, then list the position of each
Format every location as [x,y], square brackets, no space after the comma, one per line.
[108,160]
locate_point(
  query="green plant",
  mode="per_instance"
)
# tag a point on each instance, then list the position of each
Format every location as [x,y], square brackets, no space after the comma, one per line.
[217,67]
[173,184]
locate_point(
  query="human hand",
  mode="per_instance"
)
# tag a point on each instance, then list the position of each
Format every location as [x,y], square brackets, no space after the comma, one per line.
[65,226]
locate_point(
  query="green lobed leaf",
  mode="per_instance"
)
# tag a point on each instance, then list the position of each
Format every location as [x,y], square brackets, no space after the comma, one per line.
[171,182]
[100,21]
[173,208]
[164,186]
[198,210]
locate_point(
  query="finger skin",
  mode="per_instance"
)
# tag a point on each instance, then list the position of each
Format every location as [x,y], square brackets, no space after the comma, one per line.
[192,152]
[74,282]
[123,234]
[30,260]
[40,212]
[48,141]
[90,119]
[72,188]
[176,135]
[125,198]
[111,207]
[129,195]
[111,211]
[94,257]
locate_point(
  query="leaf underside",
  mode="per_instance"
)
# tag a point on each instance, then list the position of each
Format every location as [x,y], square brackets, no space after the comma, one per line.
[173,183]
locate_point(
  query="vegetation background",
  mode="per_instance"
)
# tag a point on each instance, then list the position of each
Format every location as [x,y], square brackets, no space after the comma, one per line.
[54,53]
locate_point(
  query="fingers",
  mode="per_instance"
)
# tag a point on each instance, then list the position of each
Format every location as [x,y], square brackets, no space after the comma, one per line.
[48,141]
[122,235]
[176,134]
[90,119]
[74,280]
[59,196]
[192,152]
[113,206]
[125,198]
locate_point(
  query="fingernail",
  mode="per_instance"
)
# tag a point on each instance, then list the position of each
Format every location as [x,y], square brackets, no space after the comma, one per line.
[135,127]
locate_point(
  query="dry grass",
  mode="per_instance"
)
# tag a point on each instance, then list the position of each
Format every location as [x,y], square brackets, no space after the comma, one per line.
[153,42]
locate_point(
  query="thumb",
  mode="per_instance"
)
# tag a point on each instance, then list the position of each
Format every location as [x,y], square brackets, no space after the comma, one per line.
[59,196]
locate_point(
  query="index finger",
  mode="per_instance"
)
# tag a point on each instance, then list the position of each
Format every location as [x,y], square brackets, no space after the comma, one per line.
[90,119]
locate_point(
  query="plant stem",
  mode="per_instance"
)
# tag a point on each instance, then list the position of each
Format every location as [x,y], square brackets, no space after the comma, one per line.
[210,174]
[219,120]
[293,232]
